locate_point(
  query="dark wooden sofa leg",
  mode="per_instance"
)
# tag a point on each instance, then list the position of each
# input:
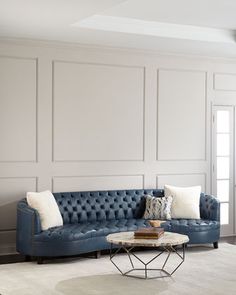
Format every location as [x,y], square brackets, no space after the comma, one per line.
[39,260]
[215,244]
[97,254]
[27,258]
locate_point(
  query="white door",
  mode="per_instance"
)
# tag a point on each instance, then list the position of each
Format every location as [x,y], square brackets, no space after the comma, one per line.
[223,164]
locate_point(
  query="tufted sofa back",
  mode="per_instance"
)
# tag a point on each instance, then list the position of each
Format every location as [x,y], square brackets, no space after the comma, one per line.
[103,205]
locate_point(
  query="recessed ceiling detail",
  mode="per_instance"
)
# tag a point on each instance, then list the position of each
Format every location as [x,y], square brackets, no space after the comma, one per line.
[166,26]
[158,29]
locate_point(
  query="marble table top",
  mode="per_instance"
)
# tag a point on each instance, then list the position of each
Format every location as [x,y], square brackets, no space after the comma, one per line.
[127,239]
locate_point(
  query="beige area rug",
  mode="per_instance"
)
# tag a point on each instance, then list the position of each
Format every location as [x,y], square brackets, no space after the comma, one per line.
[205,271]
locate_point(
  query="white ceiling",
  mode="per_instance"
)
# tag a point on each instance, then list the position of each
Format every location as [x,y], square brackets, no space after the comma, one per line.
[172,21]
[209,13]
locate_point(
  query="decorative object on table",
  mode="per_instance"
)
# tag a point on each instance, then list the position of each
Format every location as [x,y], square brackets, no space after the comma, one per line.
[127,242]
[158,208]
[149,233]
[156,223]
[186,201]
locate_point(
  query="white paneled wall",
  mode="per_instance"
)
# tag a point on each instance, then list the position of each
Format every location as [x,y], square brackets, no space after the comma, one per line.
[182,180]
[225,82]
[100,106]
[75,118]
[18,100]
[181,115]
[97,182]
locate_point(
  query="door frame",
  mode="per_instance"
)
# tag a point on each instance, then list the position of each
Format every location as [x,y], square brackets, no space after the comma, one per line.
[227,229]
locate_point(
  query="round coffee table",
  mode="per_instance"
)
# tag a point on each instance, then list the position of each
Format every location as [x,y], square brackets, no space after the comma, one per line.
[167,243]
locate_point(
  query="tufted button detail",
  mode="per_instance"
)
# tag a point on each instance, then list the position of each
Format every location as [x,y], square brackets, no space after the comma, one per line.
[72,232]
[190,225]
[79,207]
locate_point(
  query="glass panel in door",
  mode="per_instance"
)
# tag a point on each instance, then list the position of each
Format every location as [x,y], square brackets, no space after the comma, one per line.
[222,159]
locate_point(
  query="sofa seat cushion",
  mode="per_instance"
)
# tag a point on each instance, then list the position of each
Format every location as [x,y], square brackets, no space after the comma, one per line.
[185,226]
[74,232]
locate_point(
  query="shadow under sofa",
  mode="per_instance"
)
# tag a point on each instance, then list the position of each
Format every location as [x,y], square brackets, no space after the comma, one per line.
[89,217]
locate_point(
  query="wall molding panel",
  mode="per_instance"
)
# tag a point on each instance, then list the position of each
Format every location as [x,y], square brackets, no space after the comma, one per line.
[182,180]
[18,109]
[224,82]
[181,122]
[12,190]
[110,104]
[89,119]
[101,182]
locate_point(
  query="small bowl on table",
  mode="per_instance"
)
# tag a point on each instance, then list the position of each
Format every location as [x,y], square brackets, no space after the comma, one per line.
[156,223]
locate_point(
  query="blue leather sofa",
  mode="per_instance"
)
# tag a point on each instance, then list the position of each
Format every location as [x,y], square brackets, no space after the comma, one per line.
[90,216]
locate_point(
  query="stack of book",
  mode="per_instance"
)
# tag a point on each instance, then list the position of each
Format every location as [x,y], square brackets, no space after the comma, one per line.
[149,233]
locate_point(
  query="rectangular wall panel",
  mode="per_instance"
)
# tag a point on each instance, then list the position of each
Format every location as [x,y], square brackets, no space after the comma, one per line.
[182,180]
[225,82]
[181,115]
[12,190]
[18,100]
[87,183]
[98,112]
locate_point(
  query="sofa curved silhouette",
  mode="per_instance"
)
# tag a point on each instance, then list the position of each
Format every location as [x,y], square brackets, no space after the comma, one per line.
[90,216]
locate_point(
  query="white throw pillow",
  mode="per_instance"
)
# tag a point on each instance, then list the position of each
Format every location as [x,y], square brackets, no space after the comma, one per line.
[47,208]
[185,202]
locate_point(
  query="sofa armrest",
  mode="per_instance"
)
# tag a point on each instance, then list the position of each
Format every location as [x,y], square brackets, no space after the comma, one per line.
[28,224]
[209,207]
